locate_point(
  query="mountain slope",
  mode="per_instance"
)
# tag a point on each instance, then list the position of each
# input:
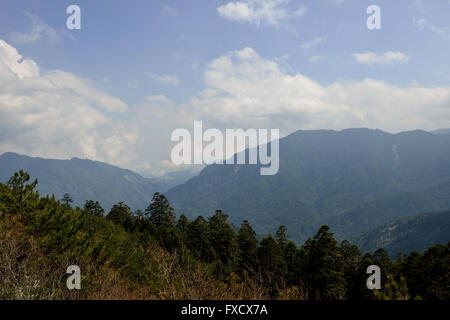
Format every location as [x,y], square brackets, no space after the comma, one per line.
[408,234]
[323,176]
[403,204]
[84,180]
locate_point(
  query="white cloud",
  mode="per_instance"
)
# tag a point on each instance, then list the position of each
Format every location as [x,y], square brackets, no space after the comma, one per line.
[424,24]
[259,11]
[165,78]
[58,115]
[386,58]
[313,43]
[247,91]
[38,31]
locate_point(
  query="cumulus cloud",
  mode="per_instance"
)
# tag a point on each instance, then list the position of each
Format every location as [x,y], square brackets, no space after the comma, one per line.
[386,58]
[246,90]
[58,115]
[259,11]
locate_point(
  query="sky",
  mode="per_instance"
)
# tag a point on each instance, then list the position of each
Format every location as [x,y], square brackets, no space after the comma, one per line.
[115,89]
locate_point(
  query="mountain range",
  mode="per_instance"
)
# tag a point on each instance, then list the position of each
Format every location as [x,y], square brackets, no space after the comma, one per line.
[353,180]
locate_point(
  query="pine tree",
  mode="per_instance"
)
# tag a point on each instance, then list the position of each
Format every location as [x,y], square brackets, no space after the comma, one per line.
[160,212]
[272,265]
[182,227]
[349,261]
[182,224]
[248,246]
[323,275]
[120,214]
[94,208]
[67,200]
[221,236]
[197,239]
[162,216]
[22,195]
[292,257]
[281,236]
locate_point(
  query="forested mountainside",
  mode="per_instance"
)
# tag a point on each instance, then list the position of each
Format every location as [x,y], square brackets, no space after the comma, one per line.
[408,234]
[352,180]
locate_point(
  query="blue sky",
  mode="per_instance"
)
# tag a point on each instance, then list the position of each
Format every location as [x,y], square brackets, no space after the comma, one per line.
[146,67]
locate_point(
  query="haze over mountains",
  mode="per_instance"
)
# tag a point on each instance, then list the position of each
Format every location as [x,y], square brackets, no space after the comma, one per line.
[84,180]
[352,180]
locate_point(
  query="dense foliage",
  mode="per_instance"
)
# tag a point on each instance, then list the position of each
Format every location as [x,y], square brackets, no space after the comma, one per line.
[151,255]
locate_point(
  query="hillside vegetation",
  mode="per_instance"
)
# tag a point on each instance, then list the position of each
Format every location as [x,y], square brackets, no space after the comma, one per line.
[150,255]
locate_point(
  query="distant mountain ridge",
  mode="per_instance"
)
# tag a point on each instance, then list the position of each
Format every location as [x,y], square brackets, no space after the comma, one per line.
[84,180]
[352,180]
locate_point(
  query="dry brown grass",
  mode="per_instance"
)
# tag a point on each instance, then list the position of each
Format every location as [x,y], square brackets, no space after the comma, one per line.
[25,273]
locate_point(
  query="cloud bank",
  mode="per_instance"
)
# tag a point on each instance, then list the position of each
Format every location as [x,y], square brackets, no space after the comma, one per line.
[247,90]
[60,115]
